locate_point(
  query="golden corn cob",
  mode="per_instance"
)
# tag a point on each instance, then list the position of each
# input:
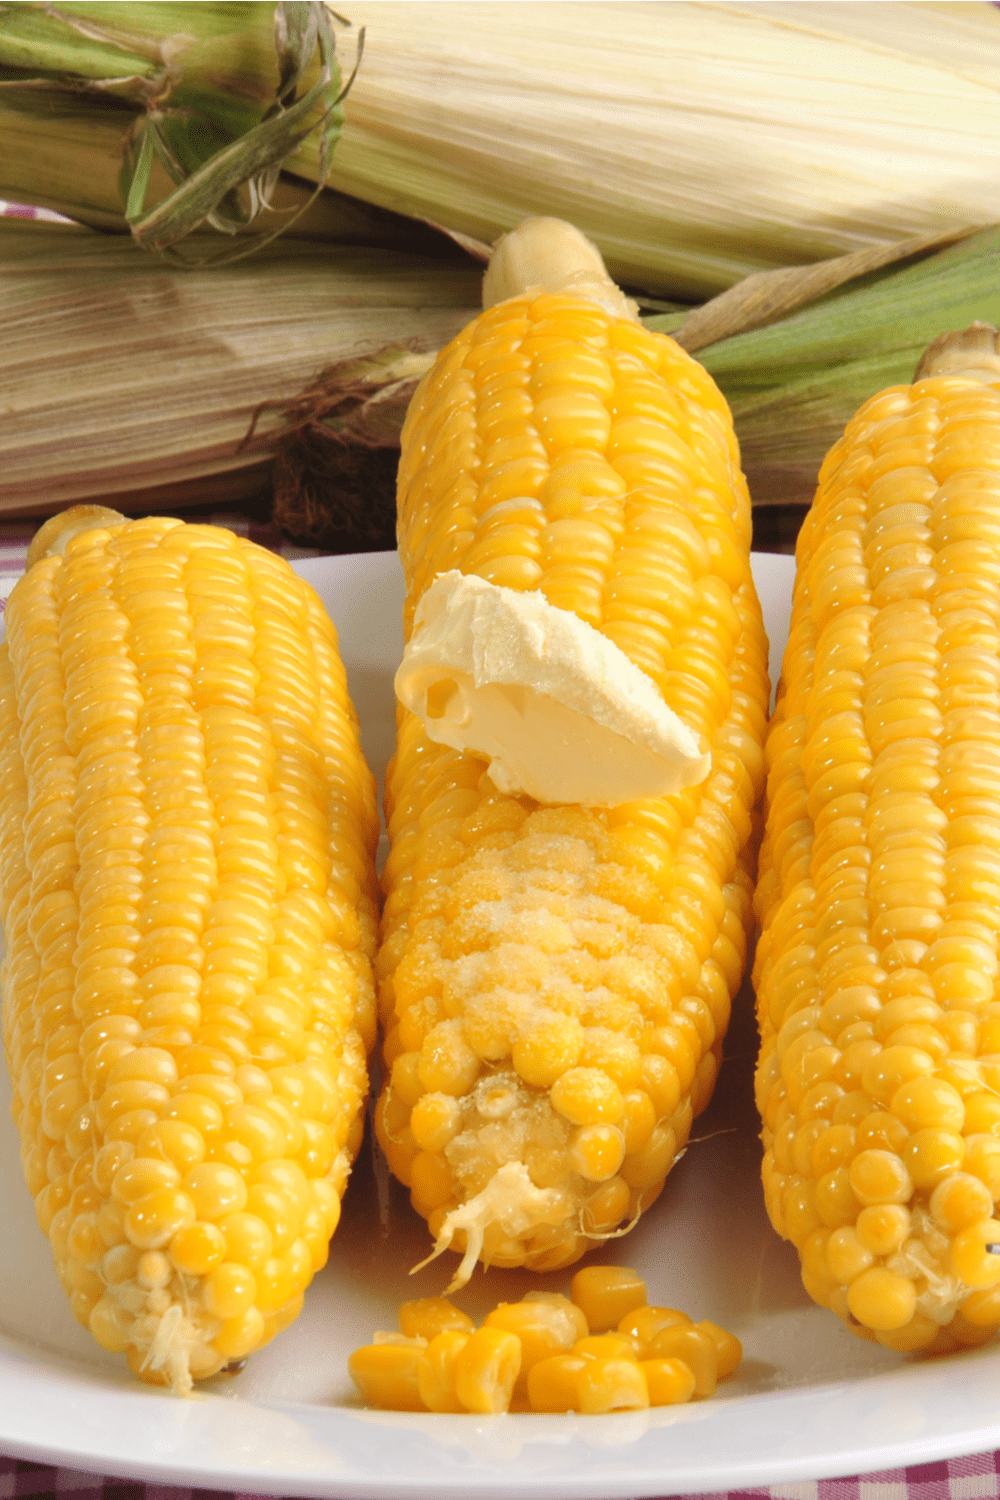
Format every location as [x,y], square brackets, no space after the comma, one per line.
[188,902]
[555,982]
[879,889]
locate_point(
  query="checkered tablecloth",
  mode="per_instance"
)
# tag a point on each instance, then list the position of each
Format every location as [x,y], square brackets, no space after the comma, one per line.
[956,1479]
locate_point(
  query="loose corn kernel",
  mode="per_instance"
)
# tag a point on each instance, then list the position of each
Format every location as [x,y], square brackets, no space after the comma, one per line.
[553,1383]
[613,1345]
[436,1370]
[538,1348]
[697,1349]
[486,1369]
[644,1323]
[730,1350]
[612,1384]
[387,1375]
[426,1317]
[606,1294]
[544,1327]
[669,1382]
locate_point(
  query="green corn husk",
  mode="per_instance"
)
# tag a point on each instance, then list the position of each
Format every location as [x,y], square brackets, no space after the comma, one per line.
[793,386]
[133,383]
[129,117]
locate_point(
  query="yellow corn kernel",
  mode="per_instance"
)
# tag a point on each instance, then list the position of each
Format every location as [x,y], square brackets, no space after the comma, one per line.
[197,1249]
[387,1375]
[486,1369]
[240,1335]
[426,1317]
[543,1053]
[436,1370]
[880,1299]
[586,1096]
[696,1347]
[883,1227]
[919,1333]
[553,1383]
[607,1294]
[230,1290]
[555,446]
[607,1346]
[729,1348]
[543,1326]
[982,1308]
[975,1254]
[173,710]
[644,1323]
[612,1384]
[669,1382]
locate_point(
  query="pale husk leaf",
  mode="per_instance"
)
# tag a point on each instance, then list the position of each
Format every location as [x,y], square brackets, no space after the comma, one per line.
[135,380]
[695,143]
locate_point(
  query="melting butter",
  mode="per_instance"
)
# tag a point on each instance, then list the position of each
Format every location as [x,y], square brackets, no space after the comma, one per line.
[558,709]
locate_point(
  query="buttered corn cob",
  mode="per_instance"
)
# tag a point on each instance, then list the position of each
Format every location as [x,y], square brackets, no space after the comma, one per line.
[879,889]
[188,903]
[555,981]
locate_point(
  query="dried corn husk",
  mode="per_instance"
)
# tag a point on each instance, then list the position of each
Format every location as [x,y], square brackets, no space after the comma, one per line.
[695,143]
[130,382]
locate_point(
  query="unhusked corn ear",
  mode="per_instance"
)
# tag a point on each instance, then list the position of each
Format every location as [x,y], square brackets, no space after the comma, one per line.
[187,889]
[555,982]
[879,890]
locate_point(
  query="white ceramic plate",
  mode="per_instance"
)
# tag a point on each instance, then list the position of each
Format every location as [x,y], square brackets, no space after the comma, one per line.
[810,1401]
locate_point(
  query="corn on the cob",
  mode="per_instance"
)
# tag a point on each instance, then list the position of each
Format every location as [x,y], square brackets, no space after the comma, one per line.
[555,981]
[879,888]
[188,902]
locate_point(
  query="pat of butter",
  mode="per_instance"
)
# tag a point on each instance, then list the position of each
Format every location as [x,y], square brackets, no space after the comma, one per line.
[558,709]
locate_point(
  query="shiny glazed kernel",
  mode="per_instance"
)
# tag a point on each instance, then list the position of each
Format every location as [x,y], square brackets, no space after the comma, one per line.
[541,1353]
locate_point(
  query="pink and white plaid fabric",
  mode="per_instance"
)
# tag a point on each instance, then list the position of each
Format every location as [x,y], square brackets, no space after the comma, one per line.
[25,211]
[975,1478]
